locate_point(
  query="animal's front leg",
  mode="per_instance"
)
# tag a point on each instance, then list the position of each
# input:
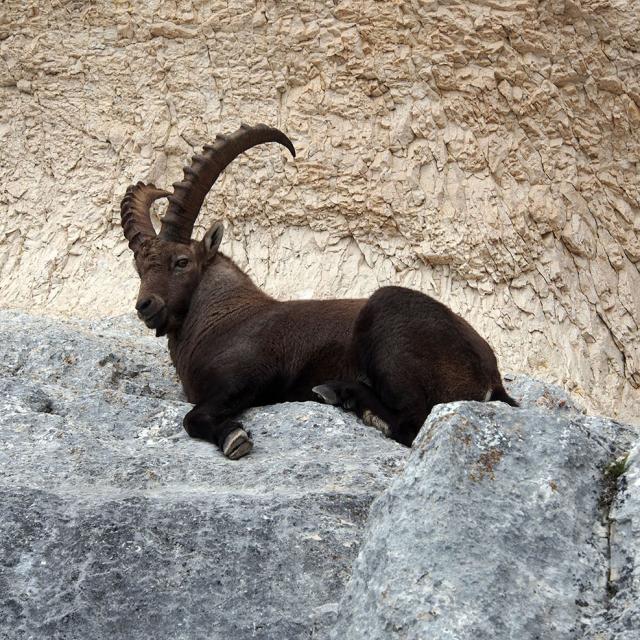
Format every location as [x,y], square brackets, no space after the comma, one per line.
[204,422]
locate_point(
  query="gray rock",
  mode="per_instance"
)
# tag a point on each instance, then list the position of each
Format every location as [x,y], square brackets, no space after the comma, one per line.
[621,618]
[117,354]
[497,528]
[536,393]
[115,524]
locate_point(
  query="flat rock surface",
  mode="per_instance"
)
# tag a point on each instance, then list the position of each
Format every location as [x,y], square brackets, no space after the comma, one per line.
[115,524]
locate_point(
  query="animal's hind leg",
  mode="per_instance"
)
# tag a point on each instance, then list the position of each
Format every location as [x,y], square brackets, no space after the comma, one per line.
[405,400]
[359,398]
[203,421]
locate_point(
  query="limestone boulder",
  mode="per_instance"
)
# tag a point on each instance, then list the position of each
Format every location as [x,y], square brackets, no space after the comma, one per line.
[115,524]
[501,526]
[500,522]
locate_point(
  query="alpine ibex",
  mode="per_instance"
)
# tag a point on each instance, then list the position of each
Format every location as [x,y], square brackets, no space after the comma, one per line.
[390,358]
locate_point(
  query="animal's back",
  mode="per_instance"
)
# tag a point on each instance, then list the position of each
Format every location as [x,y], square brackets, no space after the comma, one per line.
[409,344]
[282,348]
[314,338]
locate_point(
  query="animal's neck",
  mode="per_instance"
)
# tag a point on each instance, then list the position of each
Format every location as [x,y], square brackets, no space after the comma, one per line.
[224,291]
[224,283]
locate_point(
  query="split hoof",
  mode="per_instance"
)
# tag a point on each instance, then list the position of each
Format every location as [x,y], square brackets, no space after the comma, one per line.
[327,394]
[372,420]
[338,394]
[237,444]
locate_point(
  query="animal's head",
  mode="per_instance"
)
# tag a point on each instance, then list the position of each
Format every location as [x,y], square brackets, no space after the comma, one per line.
[170,264]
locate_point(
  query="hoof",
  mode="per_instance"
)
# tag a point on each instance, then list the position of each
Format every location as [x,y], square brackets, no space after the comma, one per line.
[237,444]
[327,394]
[372,420]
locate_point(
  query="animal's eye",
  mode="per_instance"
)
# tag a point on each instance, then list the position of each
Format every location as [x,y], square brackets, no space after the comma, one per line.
[181,263]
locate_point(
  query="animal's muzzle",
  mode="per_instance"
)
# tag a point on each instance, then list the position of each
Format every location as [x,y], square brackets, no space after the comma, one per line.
[152,310]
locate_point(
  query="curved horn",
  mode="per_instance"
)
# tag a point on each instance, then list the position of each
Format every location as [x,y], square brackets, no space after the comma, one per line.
[187,197]
[135,213]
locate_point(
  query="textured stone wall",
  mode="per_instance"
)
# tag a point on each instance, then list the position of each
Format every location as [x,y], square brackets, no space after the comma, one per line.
[486,153]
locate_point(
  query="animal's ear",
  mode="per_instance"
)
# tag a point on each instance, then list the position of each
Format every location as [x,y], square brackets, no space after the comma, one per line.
[213,238]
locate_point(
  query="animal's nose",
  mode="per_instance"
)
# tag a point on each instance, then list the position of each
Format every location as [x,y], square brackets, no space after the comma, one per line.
[148,306]
[143,305]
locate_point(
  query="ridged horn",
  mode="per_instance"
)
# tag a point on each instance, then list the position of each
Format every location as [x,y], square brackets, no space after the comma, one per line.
[187,197]
[135,213]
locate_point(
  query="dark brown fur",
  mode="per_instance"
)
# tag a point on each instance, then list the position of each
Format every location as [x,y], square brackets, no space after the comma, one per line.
[397,354]
[233,346]
[390,358]
[411,353]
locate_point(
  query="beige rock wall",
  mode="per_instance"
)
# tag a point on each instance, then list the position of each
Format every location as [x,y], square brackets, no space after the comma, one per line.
[486,153]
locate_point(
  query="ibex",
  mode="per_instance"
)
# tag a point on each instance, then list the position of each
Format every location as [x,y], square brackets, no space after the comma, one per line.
[390,358]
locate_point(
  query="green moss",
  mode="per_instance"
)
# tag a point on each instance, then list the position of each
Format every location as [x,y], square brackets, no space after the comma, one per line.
[617,467]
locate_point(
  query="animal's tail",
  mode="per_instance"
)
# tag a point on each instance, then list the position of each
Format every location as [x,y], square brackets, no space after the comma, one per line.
[499,393]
